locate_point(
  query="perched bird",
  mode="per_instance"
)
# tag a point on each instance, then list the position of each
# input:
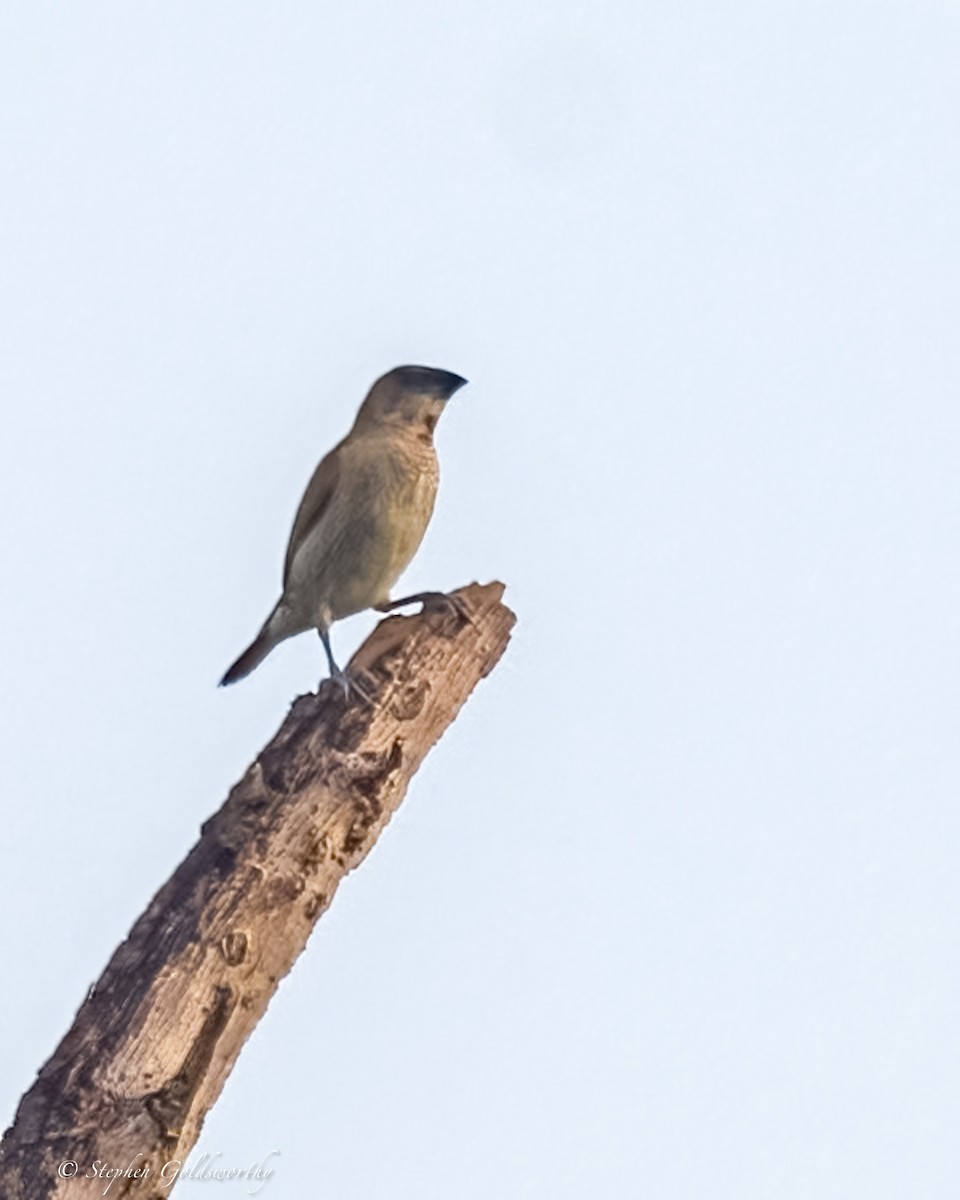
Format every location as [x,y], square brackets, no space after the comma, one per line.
[362,517]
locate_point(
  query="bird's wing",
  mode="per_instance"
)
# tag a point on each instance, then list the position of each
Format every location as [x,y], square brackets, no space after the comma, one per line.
[314,504]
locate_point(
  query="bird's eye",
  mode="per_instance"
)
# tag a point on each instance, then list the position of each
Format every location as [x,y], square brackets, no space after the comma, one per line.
[430,420]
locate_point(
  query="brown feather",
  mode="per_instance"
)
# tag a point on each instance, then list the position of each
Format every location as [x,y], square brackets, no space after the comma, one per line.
[314,504]
[252,657]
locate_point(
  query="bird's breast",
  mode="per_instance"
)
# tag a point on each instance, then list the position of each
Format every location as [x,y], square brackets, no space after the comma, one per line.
[371,529]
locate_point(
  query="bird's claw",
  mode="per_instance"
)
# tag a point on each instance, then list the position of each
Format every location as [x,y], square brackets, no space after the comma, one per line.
[445,602]
[449,602]
[350,686]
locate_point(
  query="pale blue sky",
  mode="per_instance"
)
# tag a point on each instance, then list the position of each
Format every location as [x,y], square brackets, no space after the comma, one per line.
[672,910]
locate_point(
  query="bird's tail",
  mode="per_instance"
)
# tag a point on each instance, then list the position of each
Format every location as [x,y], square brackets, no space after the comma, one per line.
[251,658]
[280,625]
[273,632]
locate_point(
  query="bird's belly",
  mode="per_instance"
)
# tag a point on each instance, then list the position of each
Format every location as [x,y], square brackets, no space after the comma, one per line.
[361,547]
[378,551]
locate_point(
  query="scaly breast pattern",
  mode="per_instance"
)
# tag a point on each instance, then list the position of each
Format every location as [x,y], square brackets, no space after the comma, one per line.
[371,530]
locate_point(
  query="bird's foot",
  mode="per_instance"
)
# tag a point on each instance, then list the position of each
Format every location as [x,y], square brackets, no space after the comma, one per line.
[350,686]
[445,602]
[448,602]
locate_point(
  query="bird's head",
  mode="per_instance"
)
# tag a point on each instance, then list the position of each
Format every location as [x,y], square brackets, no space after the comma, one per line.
[410,398]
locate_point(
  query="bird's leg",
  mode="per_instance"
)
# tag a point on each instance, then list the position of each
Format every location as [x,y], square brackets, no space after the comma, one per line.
[432,602]
[341,677]
[335,672]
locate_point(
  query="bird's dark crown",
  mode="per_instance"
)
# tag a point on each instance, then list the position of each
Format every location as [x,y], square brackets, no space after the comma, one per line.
[430,380]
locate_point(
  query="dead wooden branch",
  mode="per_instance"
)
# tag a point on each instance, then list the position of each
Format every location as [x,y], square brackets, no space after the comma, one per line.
[158,1034]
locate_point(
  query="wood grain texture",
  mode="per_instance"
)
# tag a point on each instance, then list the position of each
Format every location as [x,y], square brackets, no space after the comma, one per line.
[155,1039]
